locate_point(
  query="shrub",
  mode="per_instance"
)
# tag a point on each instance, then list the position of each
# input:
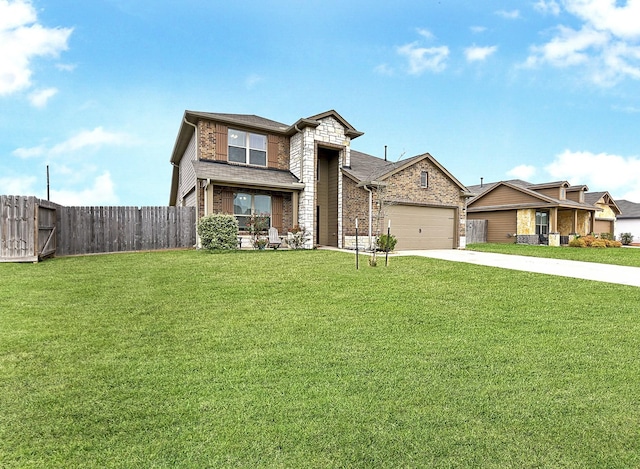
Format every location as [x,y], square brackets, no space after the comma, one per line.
[385,242]
[218,231]
[599,243]
[577,243]
[299,235]
[614,244]
[626,238]
[588,240]
[608,236]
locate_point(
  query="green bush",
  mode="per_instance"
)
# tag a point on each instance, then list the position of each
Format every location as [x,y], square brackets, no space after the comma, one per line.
[218,231]
[385,241]
[626,238]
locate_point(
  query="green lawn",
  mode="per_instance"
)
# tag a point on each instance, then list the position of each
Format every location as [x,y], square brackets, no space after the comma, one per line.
[295,359]
[616,256]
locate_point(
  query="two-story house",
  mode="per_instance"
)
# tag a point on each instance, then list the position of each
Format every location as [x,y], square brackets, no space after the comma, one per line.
[306,174]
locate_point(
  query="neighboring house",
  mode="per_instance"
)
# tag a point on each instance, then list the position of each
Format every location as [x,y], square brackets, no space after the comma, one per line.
[608,211]
[629,220]
[540,213]
[306,174]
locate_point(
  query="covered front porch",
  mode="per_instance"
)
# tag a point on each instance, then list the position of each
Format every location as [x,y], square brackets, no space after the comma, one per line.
[553,226]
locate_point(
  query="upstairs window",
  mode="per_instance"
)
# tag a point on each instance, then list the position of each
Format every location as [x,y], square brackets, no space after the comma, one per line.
[247,148]
[424,179]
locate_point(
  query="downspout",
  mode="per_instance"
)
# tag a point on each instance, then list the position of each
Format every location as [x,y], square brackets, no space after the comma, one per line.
[370,212]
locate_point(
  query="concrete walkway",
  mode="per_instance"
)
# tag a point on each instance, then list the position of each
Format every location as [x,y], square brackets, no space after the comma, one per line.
[585,270]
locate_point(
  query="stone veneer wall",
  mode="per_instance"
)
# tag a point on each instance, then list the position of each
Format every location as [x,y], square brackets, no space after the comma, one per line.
[526,222]
[565,222]
[303,166]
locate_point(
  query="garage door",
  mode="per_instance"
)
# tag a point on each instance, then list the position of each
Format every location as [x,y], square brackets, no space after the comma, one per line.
[422,227]
[601,226]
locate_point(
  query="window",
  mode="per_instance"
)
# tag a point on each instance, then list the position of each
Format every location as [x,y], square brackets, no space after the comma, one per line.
[424,179]
[247,148]
[542,223]
[246,205]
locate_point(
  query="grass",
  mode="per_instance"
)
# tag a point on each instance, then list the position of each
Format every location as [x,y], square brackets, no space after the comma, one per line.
[295,359]
[615,256]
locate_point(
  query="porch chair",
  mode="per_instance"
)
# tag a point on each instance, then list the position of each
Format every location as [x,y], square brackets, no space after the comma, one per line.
[274,239]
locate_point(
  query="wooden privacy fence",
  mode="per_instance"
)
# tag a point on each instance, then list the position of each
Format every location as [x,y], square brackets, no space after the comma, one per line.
[32,229]
[27,228]
[477,231]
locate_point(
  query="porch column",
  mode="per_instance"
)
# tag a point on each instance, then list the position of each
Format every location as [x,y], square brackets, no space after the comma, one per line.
[575,221]
[553,220]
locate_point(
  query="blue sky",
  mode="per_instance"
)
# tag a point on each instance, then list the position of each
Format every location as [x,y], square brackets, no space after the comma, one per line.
[540,90]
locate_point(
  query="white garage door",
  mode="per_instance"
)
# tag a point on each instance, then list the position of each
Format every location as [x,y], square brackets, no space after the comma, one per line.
[422,227]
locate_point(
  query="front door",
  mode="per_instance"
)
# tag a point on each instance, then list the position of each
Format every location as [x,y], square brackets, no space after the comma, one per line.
[542,226]
[327,197]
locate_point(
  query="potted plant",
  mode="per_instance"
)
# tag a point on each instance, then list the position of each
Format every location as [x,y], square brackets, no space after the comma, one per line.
[260,243]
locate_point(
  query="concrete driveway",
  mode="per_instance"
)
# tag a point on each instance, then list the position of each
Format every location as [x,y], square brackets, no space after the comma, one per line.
[575,269]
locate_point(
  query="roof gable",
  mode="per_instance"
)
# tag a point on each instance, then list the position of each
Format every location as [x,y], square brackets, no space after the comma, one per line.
[314,121]
[506,194]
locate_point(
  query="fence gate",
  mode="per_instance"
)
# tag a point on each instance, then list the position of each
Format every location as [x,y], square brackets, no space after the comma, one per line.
[27,229]
[477,231]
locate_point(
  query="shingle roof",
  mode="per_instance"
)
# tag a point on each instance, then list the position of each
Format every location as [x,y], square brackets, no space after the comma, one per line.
[366,167]
[529,188]
[628,209]
[246,119]
[593,197]
[245,175]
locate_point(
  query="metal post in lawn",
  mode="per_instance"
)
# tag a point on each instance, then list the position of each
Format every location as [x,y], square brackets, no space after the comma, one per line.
[357,244]
[386,256]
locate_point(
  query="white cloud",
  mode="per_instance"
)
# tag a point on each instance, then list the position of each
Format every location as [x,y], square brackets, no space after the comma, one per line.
[17,185]
[384,69]
[523,171]
[600,171]
[568,47]
[85,139]
[422,59]
[40,98]
[476,53]
[425,33]
[478,29]
[510,14]
[608,15]
[101,193]
[606,45]
[550,7]
[252,80]
[66,67]
[22,40]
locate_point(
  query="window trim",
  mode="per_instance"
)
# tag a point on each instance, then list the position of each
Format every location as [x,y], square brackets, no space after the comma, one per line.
[248,148]
[424,179]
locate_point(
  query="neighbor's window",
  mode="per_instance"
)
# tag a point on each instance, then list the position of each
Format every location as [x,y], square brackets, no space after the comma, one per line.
[542,223]
[247,148]
[246,205]
[424,179]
